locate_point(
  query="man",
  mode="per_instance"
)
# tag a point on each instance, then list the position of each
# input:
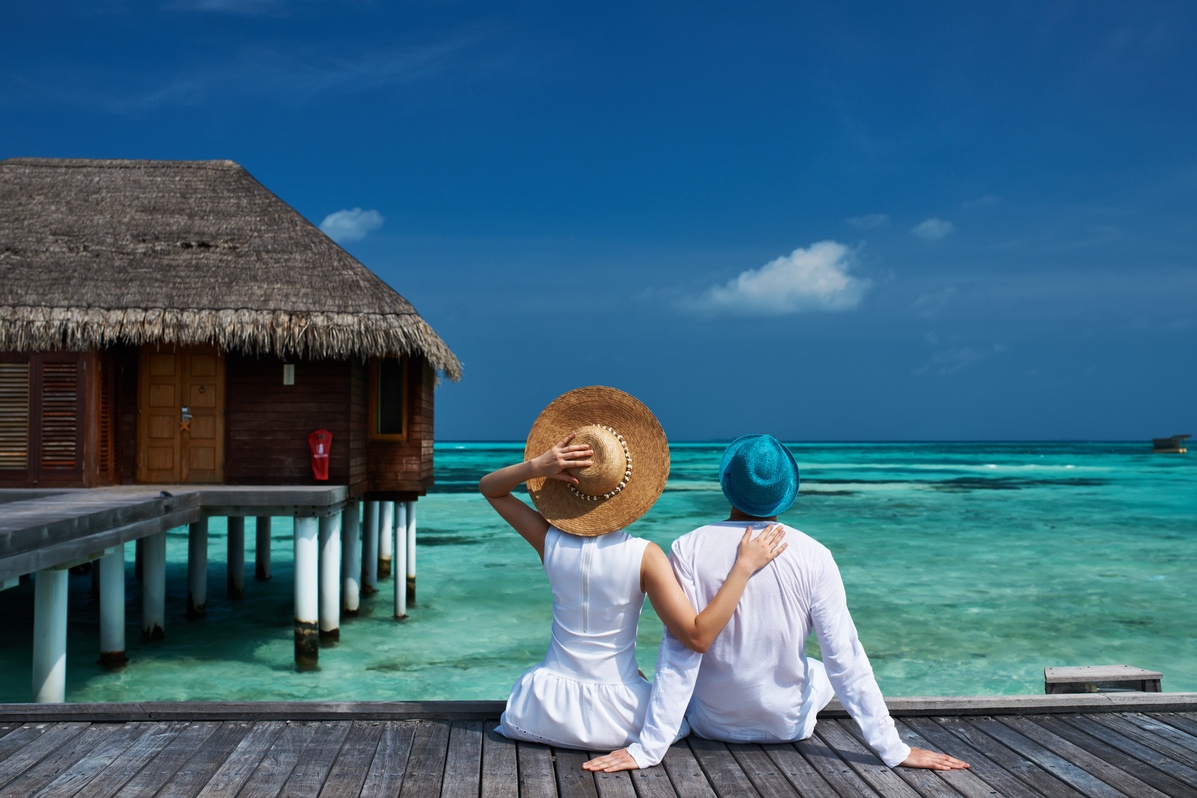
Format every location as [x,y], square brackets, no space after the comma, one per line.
[755,683]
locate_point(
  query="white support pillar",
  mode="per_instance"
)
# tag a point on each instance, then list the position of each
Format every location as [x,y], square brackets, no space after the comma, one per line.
[330,577]
[386,521]
[411,552]
[370,551]
[236,558]
[197,569]
[49,636]
[351,557]
[262,549]
[307,577]
[112,608]
[400,560]
[153,587]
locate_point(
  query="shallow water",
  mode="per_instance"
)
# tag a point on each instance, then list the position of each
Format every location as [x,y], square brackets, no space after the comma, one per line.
[969,568]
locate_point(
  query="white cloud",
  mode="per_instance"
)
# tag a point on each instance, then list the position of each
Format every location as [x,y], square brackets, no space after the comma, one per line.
[809,279]
[352,225]
[869,222]
[934,229]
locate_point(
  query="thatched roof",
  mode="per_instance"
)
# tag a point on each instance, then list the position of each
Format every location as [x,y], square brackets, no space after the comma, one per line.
[94,253]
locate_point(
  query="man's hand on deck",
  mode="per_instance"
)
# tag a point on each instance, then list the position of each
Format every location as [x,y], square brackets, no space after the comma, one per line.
[612,762]
[930,760]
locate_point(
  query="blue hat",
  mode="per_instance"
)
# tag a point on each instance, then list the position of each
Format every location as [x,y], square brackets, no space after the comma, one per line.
[759,476]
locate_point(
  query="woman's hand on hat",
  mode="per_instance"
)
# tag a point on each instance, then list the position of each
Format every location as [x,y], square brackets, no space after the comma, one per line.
[755,553]
[556,462]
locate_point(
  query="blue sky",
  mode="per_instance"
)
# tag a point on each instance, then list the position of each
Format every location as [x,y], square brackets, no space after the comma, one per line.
[848,221]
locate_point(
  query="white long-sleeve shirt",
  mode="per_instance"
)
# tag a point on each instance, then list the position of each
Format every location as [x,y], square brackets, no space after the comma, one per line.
[755,683]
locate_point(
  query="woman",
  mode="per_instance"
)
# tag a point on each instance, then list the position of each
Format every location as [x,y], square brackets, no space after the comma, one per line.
[595,461]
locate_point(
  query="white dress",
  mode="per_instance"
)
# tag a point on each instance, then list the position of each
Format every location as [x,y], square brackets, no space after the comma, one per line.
[587,692]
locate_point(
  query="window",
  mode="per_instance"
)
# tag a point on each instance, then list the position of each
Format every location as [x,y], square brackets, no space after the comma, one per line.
[388,399]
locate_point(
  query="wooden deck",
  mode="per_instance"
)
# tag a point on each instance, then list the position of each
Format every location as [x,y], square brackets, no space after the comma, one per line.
[377,749]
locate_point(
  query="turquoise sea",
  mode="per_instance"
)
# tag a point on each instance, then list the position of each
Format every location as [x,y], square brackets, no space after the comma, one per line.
[969,568]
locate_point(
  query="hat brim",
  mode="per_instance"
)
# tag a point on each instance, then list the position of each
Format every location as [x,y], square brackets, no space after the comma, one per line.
[648,449]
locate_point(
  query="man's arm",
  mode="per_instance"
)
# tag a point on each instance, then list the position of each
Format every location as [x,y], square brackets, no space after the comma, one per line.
[673,684]
[852,677]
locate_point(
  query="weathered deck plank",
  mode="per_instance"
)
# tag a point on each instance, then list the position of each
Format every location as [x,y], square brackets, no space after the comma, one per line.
[121,769]
[1005,758]
[1094,765]
[198,768]
[27,746]
[463,776]
[982,778]
[685,774]
[648,783]
[842,778]
[1129,756]
[94,762]
[872,770]
[619,785]
[1132,754]
[62,760]
[1149,738]
[500,774]
[537,777]
[723,772]
[762,771]
[348,772]
[389,768]
[572,780]
[317,759]
[243,761]
[426,766]
[276,766]
[166,763]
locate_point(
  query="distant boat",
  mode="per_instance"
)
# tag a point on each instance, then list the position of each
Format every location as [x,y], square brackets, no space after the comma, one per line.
[1173,445]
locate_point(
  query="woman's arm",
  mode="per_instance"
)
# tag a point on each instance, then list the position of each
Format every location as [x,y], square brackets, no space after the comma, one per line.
[698,630]
[497,486]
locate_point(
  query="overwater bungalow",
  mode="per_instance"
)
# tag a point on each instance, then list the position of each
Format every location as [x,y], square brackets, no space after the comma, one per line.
[1173,445]
[176,325]
[176,322]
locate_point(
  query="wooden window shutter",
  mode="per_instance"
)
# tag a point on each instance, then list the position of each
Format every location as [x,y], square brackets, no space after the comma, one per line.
[14,416]
[61,410]
[106,432]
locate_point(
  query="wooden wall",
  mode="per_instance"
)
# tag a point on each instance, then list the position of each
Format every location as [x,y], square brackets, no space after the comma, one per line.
[402,470]
[268,423]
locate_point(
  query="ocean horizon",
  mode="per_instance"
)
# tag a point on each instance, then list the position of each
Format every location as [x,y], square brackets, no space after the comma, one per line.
[969,566]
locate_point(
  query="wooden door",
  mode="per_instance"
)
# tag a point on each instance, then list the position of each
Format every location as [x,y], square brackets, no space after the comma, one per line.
[180,429]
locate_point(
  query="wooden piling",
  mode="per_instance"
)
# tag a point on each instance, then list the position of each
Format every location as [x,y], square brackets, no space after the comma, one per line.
[49,636]
[197,569]
[262,549]
[153,587]
[307,641]
[351,557]
[112,608]
[411,552]
[400,562]
[370,550]
[330,577]
[236,557]
[386,521]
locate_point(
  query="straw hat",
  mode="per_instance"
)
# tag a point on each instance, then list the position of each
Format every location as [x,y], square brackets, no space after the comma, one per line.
[630,463]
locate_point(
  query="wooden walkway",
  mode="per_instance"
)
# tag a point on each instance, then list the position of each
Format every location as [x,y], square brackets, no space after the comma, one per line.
[196,752]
